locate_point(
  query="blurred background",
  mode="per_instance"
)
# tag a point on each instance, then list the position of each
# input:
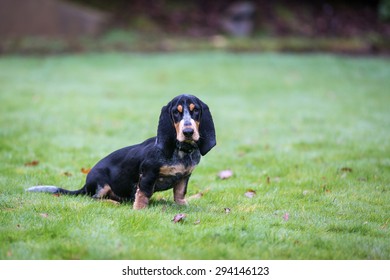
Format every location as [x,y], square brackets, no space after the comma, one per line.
[56,26]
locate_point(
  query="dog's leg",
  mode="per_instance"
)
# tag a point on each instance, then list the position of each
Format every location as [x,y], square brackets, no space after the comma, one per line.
[106,192]
[180,190]
[102,192]
[141,200]
[145,187]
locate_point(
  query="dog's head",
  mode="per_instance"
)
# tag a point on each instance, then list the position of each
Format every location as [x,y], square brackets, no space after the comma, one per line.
[186,119]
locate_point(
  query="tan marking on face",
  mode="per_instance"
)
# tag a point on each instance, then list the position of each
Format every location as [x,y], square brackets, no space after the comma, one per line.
[141,200]
[179,133]
[172,170]
[179,192]
[180,108]
[192,107]
[197,127]
[179,130]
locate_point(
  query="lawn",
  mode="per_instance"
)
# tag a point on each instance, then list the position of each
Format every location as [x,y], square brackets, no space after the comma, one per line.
[307,136]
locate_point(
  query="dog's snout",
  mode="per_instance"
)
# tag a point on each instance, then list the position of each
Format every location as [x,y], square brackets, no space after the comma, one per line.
[187,123]
[188,131]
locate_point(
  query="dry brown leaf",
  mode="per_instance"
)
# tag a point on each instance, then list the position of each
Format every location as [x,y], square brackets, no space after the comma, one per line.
[179,218]
[85,170]
[250,193]
[325,189]
[67,174]
[276,179]
[32,163]
[346,169]
[225,174]
[196,196]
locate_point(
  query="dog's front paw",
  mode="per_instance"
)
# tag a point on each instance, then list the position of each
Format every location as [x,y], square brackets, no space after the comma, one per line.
[181,201]
[141,200]
[138,206]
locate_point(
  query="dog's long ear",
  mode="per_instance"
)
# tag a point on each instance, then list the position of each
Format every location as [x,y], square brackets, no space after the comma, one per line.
[166,133]
[206,130]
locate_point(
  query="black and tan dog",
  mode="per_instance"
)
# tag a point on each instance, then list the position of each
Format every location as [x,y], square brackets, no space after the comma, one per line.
[185,133]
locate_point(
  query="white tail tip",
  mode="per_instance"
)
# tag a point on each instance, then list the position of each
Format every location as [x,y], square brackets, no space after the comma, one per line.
[48,189]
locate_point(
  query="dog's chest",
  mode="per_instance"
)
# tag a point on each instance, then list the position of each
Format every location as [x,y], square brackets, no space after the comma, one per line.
[176,169]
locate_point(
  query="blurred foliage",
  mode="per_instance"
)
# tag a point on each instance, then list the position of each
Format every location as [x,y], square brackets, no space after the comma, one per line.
[384,10]
[123,40]
[282,17]
[346,26]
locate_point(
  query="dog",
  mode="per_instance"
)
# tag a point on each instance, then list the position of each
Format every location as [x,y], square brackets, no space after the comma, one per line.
[185,133]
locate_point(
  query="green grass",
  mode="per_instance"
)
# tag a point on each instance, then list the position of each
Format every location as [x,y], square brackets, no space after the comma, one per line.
[144,42]
[309,133]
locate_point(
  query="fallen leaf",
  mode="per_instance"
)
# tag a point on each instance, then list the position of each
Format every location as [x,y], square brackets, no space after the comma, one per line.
[44,215]
[85,170]
[32,163]
[241,154]
[286,216]
[56,194]
[9,253]
[346,169]
[196,196]
[197,222]
[67,174]
[161,198]
[179,218]
[250,193]
[225,174]
[268,180]
[276,179]
[227,210]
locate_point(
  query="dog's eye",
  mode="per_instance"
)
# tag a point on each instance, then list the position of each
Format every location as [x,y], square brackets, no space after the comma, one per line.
[176,113]
[195,111]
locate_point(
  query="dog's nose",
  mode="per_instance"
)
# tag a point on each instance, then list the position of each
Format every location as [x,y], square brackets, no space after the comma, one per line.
[188,131]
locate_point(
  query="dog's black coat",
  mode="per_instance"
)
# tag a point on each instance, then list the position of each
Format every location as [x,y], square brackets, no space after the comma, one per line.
[157,164]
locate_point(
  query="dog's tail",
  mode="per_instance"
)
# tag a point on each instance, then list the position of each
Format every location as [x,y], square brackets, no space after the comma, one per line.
[55,190]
